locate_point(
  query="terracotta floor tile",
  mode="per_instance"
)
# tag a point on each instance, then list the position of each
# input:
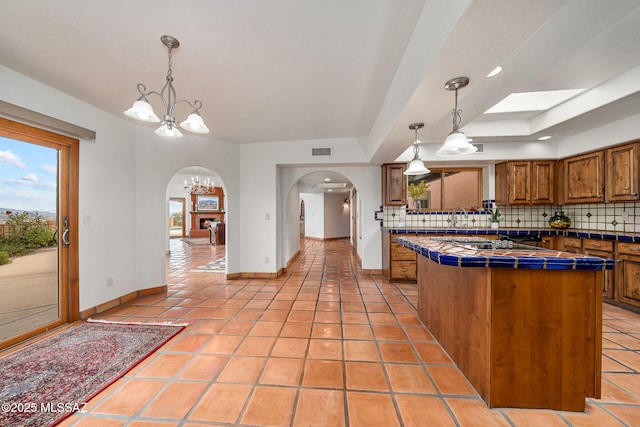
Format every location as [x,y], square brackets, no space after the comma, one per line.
[409,378]
[357,332]
[326,330]
[371,409]
[327,317]
[473,412]
[629,383]
[189,342]
[290,347]
[594,416]
[270,406]
[612,393]
[203,367]
[356,318]
[628,414]
[90,421]
[223,344]
[300,316]
[387,332]
[382,319]
[282,371]
[432,353]
[320,408]
[534,418]
[249,314]
[175,400]
[266,329]
[418,334]
[323,373]
[242,369]
[237,327]
[164,366]
[208,326]
[221,403]
[296,330]
[325,349]
[397,352]
[129,398]
[328,306]
[365,376]
[627,358]
[356,307]
[450,380]
[256,346]
[154,423]
[361,350]
[416,410]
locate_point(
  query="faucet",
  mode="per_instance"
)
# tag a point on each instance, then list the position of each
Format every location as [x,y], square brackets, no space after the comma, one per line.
[454,218]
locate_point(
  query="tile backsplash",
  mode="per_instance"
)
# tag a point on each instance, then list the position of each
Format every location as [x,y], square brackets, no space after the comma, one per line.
[615,217]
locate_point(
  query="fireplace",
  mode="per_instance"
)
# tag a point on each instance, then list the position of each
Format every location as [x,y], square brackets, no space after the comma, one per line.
[200,222]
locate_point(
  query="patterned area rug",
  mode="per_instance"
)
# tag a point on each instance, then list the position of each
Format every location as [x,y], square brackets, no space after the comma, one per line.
[45,382]
[217,266]
[196,241]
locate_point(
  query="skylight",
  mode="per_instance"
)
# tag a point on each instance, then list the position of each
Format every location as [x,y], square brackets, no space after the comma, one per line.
[533,101]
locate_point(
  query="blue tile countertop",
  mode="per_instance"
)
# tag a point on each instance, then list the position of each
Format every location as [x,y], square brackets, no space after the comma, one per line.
[447,251]
[583,234]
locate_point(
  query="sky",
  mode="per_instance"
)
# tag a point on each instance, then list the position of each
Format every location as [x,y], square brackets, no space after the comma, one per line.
[28,176]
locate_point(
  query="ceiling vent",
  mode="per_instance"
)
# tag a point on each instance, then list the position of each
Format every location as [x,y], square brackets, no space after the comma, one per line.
[480,148]
[321,151]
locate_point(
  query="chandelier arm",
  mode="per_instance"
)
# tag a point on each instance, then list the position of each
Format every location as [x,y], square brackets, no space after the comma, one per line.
[195,105]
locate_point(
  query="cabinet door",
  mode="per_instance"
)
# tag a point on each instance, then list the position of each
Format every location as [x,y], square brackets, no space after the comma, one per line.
[622,173]
[519,182]
[628,284]
[584,178]
[608,289]
[542,179]
[394,184]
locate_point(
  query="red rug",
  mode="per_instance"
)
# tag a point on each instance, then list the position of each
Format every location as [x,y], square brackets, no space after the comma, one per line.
[45,382]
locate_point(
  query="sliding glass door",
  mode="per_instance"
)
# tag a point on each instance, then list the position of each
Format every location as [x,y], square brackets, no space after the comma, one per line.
[38,231]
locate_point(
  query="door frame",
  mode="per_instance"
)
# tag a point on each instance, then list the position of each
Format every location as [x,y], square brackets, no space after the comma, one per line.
[68,178]
[183,202]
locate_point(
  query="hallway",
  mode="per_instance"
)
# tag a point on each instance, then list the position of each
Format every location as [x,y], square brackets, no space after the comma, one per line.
[323,345]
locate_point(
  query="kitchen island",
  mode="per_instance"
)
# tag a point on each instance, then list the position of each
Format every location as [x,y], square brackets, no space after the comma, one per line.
[523,324]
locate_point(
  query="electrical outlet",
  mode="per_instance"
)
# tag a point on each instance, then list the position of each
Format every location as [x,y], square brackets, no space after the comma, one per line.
[626,216]
[109,282]
[266,260]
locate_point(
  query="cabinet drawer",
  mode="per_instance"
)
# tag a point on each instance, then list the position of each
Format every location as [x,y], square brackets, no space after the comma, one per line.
[573,242]
[403,269]
[400,253]
[599,245]
[629,248]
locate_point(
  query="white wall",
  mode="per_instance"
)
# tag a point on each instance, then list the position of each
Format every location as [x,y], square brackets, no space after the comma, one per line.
[313,214]
[336,215]
[107,190]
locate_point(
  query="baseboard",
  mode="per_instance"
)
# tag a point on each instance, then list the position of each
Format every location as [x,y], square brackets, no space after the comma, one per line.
[85,314]
[325,238]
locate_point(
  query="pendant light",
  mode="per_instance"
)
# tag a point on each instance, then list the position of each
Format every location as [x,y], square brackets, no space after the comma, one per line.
[416,166]
[456,143]
[142,110]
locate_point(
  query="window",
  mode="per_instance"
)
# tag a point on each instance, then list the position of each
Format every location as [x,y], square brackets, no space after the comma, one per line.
[450,188]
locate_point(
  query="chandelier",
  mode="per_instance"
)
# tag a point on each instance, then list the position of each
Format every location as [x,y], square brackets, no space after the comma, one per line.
[416,166]
[456,143]
[142,110]
[195,187]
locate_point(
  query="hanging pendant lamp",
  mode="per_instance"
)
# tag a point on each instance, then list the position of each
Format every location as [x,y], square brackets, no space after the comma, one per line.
[416,166]
[456,143]
[142,110]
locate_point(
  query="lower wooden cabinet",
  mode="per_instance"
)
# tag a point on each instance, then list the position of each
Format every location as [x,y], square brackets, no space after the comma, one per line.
[602,249]
[628,273]
[398,262]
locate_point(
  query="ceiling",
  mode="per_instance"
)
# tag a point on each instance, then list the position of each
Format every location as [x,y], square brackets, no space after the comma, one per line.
[288,70]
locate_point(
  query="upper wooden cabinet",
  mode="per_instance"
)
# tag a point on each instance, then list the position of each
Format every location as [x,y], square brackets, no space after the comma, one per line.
[394,184]
[525,182]
[622,173]
[584,178]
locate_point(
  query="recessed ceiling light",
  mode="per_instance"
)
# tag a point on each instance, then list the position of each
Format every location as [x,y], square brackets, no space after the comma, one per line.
[495,71]
[327,179]
[330,189]
[544,138]
[469,139]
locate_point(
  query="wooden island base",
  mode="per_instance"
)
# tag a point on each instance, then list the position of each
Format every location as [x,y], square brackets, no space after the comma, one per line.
[524,338]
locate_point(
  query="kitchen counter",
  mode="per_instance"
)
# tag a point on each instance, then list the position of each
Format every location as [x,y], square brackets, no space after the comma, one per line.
[470,252]
[583,234]
[524,326]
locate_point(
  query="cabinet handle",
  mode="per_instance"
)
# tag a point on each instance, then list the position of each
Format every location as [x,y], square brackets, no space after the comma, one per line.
[597,245]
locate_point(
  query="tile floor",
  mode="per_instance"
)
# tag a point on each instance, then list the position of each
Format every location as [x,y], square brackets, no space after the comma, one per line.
[322,345]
